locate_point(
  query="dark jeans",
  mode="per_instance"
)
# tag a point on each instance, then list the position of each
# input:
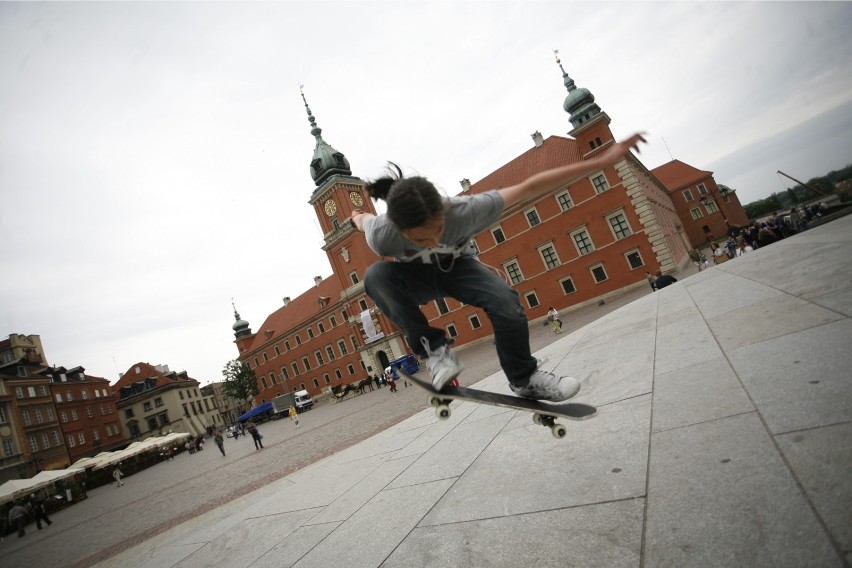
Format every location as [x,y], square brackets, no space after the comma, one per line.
[41,516]
[400,288]
[257,443]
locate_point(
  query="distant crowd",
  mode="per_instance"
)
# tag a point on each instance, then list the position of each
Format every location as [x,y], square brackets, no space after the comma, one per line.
[779,225]
[742,240]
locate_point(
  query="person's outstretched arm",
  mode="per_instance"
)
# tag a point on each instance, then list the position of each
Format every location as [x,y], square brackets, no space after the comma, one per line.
[549,179]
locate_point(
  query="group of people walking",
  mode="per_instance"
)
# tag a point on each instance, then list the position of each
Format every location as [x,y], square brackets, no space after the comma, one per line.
[23,510]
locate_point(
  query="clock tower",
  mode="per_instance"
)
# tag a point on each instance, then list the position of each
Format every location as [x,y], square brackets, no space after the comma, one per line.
[338,193]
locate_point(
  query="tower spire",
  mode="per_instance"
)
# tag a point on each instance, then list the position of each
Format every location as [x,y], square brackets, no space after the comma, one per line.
[327,161]
[241,327]
[580,102]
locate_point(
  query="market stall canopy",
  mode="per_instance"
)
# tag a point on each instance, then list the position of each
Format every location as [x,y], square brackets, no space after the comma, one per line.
[55,475]
[256,411]
[85,462]
[15,488]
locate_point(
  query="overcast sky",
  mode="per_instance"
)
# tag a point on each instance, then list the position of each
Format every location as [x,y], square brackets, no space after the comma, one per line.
[154,157]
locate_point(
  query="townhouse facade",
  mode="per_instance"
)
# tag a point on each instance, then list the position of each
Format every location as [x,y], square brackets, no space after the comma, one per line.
[153,400]
[31,434]
[87,412]
[228,408]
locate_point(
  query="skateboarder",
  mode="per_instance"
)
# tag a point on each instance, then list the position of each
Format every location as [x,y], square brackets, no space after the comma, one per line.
[429,236]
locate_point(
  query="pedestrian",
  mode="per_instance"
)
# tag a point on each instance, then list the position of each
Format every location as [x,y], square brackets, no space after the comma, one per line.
[294,416]
[39,512]
[377,381]
[116,474]
[255,435]
[18,518]
[664,280]
[397,373]
[553,318]
[430,239]
[651,281]
[220,441]
[390,380]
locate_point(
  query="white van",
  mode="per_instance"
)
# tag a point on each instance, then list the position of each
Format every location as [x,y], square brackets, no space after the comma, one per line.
[303,401]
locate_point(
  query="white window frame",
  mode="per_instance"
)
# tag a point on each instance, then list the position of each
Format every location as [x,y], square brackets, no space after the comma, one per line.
[702,190]
[471,319]
[696,213]
[533,211]
[562,286]
[627,259]
[615,215]
[548,264]
[452,331]
[592,271]
[563,199]
[527,296]
[600,188]
[584,230]
[509,271]
[711,207]
[687,195]
[495,231]
[442,310]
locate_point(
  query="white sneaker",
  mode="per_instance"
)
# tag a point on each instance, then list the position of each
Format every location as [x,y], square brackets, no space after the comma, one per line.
[443,364]
[547,386]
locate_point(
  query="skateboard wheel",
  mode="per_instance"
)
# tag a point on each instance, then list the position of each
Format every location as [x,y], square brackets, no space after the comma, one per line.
[433,401]
[536,418]
[559,431]
[442,411]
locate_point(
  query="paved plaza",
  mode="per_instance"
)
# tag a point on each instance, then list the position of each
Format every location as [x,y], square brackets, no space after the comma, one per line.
[723,438]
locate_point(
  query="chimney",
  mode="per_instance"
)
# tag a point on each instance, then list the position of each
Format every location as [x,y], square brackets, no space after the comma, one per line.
[286,300]
[465,183]
[537,139]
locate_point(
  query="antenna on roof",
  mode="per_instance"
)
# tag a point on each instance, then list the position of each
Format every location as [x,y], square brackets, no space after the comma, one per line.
[667,149]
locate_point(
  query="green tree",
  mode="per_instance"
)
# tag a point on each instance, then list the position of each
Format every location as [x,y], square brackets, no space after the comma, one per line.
[240,381]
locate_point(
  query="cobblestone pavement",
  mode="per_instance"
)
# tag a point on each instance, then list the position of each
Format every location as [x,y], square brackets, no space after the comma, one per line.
[113,519]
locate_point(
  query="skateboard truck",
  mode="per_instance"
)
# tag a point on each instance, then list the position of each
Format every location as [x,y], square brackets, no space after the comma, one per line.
[443,412]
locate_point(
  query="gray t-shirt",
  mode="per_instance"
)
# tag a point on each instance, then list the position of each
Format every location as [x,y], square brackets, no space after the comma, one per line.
[464,217]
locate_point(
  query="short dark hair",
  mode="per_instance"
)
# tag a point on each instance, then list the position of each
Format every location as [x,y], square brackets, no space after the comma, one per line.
[411,201]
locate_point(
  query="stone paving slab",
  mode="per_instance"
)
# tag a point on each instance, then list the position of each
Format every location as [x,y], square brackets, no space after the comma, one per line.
[606,535]
[719,494]
[822,461]
[800,380]
[700,393]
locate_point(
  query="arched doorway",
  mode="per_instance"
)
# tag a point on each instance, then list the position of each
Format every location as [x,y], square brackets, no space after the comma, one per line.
[383,361]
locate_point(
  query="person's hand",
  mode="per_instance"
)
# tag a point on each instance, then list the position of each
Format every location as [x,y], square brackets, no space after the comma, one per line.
[621,149]
[354,219]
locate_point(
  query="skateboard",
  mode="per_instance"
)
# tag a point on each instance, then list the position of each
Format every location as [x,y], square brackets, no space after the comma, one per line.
[544,413]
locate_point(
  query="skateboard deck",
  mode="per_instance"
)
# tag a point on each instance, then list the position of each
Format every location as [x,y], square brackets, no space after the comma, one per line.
[544,413]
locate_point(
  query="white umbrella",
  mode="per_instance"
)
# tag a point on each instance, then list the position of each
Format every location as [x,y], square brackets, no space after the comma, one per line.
[15,488]
[53,476]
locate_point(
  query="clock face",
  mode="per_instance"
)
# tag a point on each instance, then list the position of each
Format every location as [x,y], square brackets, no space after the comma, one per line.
[330,207]
[356,198]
